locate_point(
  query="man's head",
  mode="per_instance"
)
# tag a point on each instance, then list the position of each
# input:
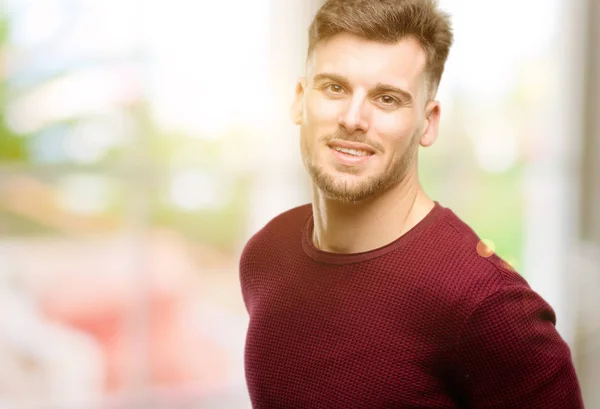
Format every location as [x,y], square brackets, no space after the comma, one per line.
[372,72]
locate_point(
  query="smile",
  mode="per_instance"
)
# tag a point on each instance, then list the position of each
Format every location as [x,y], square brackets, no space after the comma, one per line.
[350,156]
[354,152]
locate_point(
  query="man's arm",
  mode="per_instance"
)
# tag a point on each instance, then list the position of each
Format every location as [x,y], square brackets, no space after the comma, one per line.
[510,355]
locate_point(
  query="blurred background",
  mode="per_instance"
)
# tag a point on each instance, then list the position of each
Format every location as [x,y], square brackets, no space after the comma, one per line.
[143,142]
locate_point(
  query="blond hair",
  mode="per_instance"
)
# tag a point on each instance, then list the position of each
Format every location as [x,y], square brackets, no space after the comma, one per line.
[388,21]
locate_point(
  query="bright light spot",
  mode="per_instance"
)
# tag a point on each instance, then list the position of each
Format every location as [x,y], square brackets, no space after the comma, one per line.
[194,190]
[485,248]
[84,194]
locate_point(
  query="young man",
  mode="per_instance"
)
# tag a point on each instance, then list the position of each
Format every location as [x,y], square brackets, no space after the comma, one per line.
[374,295]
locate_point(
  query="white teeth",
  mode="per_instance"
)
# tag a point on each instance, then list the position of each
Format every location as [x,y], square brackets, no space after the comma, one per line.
[351,151]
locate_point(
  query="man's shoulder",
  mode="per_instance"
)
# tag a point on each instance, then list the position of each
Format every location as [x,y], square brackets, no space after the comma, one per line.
[287,221]
[285,226]
[454,272]
[471,264]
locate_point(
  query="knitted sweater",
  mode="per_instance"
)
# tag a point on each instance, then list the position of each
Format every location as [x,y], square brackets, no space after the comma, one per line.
[431,320]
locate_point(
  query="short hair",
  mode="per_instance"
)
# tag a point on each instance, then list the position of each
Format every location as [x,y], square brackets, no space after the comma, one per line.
[389,21]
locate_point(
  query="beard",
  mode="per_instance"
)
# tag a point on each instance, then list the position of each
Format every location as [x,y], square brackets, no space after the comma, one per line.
[341,189]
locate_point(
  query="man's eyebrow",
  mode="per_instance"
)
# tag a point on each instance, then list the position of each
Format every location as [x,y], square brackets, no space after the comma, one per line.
[379,88]
[384,88]
[331,77]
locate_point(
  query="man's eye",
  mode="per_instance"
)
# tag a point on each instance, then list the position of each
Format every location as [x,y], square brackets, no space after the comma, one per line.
[388,100]
[335,88]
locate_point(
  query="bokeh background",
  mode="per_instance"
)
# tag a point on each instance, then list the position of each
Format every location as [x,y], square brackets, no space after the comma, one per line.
[143,142]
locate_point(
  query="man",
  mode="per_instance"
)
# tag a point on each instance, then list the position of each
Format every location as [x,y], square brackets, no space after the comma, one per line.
[374,295]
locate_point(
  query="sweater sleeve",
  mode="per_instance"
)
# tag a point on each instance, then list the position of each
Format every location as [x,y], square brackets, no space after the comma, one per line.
[509,355]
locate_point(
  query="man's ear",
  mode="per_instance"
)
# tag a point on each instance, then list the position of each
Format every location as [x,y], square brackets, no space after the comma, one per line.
[297,108]
[431,123]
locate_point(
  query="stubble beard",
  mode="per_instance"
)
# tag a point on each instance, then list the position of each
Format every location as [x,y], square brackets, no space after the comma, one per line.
[341,189]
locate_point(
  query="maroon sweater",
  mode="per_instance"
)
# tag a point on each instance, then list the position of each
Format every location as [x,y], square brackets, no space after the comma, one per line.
[431,320]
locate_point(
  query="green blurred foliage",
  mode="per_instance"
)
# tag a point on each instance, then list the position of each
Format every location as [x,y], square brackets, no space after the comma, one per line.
[490,203]
[12,147]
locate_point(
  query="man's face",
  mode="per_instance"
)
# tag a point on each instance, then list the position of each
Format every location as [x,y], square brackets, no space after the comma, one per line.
[363,112]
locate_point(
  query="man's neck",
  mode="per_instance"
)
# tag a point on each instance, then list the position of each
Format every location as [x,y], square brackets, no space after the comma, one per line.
[341,227]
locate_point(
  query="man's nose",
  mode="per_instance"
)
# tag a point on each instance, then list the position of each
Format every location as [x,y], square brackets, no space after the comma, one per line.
[354,117]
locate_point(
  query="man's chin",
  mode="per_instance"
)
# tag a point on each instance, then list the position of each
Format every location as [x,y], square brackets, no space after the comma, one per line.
[347,197]
[342,186]
[345,192]
[341,170]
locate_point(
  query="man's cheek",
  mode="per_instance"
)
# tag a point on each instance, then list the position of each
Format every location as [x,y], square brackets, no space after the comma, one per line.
[321,108]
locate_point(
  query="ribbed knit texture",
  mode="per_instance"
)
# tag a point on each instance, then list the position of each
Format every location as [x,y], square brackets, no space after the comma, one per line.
[432,320]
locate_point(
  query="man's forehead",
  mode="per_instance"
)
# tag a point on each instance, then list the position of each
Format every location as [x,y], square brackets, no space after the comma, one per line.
[401,64]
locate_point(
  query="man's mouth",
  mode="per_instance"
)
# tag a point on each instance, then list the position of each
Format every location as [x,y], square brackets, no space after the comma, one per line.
[351,156]
[353,152]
